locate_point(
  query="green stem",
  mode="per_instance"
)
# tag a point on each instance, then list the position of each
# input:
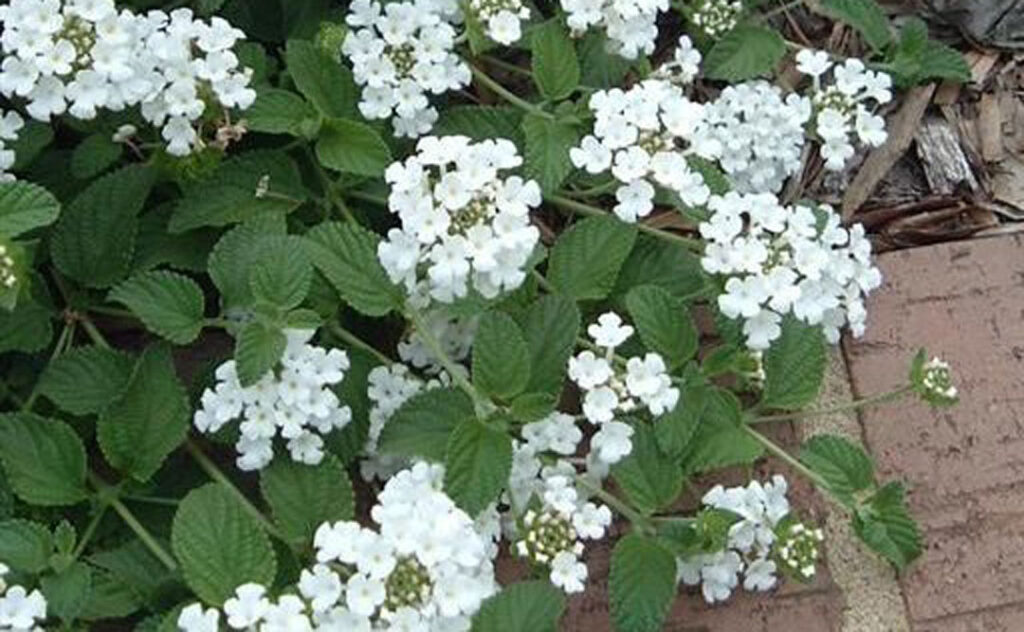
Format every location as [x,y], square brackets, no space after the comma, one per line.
[502,92]
[366,197]
[576,206]
[93,333]
[600,189]
[112,311]
[504,65]
[483,405]
[639,521]
[90,530]
[333,198]
[355,341]
[145,536]
[857,404]
[790,460]
[58,348]
[218,476]
[152,500]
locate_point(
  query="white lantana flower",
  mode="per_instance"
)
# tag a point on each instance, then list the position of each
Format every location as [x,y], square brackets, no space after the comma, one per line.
[463,223]
[787,260]
[294,401]
[502,19]
[644,136]
[401,53]
[630,25]
[10,124]
[716,17]
[85,57]
[844,109]
[20,610]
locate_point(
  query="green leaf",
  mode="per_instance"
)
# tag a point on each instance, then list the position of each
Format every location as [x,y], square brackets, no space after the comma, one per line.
[258,349]
[422,426]
[281,112]
[556,71]
[480,122]
[720,440]
[650,478]
[600,68]
[32,140]
[236,254]
[846,468]
[885,525]
[347,255]
[149,420]
[352,147]
[25,546]
[327,84]
[944,62]
[94,155]
[25,206]
[219,545]
[550,326]
[84,380]
[586,259]
[501,358]
[641,585]
[477,465]
[283,273]
[533,606]
[94,240]
[657,262]
[532,406]
[304,496]
[674,430]
[664,323]
[44,459]
[864,15]
[546,158]
[794,366]
[228,196]
[27,329]
[168,304]
[743,53]
[67,593]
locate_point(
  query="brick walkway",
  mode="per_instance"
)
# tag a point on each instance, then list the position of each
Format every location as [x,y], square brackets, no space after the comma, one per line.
[964,466]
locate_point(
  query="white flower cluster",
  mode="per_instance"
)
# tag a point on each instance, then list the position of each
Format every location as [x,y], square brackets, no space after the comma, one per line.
[760,508]
[401,53]
[761,132]
[631,25]
[684,66]
[551,535]
[841,109]
[787,259]
[502,19]
[454,334]
[644,136]
[20,610]
[716,17]
[462,221]
[608,392]
[10,124]
[295,401]
[429,567]
[83,56]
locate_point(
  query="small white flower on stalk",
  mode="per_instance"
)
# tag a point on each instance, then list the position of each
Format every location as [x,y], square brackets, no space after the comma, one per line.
[844,109]
[782,260]
[294,401]
[644,136]
[934,382]
[464,224]
[630,25]
[502,19]
[401,53]
[716,17]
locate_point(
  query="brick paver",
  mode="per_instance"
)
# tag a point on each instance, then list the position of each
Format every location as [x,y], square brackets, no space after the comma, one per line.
[965,465]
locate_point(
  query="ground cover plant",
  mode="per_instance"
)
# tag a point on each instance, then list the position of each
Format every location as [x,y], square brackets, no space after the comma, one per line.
[310,311]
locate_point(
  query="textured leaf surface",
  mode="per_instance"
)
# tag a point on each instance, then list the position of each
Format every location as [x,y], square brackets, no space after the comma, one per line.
[347,255]
[283,273]
[794,366]
[352,147]
[864,15]
[25,546]
[67,592]
[885,525]
[304,496]
[501,358]
[219,545]
[258,349]
[720,440]
[171,305]
[844,465]
[327,84]
[94,155]
[149,420]
[664,323]
[422,426]
[743,53]
[236,254]
[586,259]
[533,606]
[546,157]
[25,206]
[481,122]
[44,459]
[650,479]
[641,585]
[279,112]
[477,465]
[556,70]
[85,380]
[550,326]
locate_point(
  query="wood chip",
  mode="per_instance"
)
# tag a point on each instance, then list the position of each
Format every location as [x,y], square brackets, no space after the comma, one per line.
[945,165]
[990,123]
[981,64]
[902,127]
